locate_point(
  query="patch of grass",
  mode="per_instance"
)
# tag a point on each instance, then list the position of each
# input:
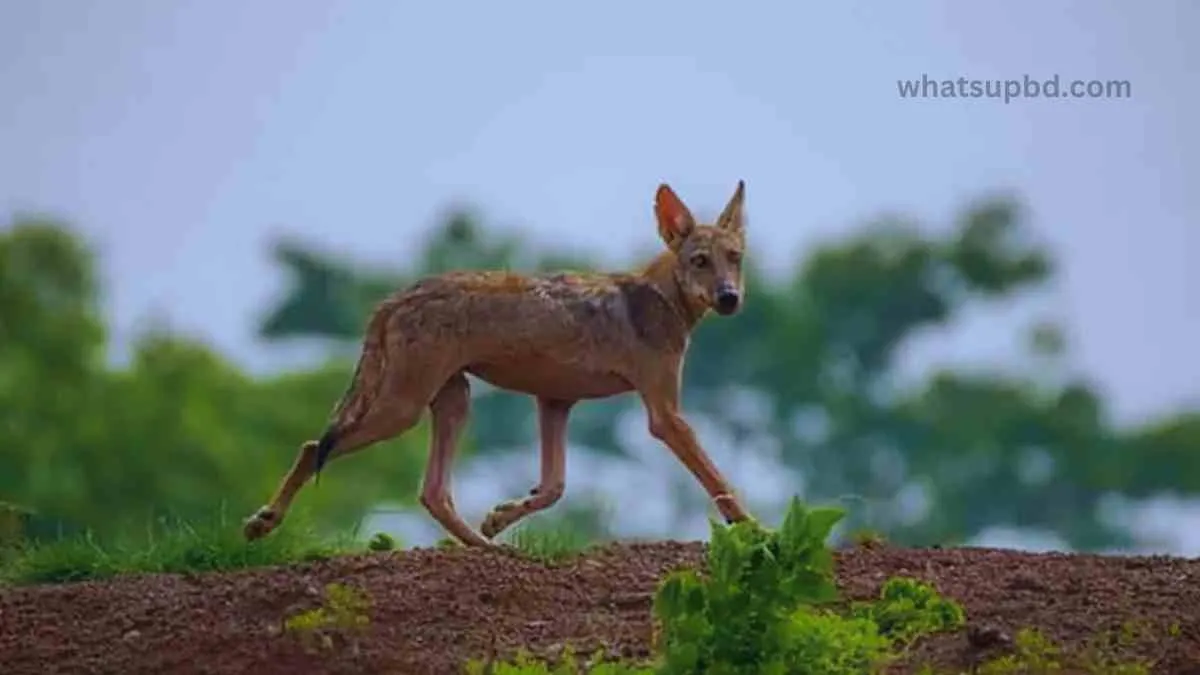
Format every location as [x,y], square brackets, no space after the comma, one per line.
[867,538]
[1035,654]
[339,619]
[166,546]
[550,543]
[525,663]
[447,544]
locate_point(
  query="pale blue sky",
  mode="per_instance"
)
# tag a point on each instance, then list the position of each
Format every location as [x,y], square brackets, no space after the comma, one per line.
[182,136]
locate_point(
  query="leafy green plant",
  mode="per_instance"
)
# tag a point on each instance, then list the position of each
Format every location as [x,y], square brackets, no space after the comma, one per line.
[381,541]
[765,605]
[908,609]
[758,608]
[343,614]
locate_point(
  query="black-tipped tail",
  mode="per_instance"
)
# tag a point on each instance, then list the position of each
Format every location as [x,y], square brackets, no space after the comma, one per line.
[324,447]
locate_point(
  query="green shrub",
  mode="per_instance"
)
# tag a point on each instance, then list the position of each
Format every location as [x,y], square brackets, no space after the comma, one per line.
[908,609]
[764,606]
[758,608]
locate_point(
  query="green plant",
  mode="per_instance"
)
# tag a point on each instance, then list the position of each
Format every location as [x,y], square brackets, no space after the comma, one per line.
[908,609]
[381,541]
[1097,657]
[758,608]
[343,614]
[1035,654]
[867,538]
[765,606]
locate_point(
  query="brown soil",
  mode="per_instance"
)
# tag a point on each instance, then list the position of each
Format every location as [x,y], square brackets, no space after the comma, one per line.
[433,609]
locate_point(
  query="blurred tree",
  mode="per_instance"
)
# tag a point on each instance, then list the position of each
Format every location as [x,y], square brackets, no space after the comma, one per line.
[940,461]
[178,430]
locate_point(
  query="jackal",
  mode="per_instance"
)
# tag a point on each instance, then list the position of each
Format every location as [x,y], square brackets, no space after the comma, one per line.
[560,338]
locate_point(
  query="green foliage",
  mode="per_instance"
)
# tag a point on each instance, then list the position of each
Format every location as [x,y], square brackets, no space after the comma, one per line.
[382,541]
[764,606]
[867,538]
[172,432]
[342,616]
[757,611]
[168,546]
[908,609]
[1036,654]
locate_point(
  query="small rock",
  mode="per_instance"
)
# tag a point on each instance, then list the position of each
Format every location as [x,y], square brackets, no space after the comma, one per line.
[1027,582]
[983,637]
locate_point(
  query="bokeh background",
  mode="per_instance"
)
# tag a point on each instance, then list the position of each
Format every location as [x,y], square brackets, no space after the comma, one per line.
[969,321]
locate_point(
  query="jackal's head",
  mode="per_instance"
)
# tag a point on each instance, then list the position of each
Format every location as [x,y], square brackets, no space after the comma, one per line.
[709,256]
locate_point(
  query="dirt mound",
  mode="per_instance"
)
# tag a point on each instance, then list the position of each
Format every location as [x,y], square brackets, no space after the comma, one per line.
[433,609]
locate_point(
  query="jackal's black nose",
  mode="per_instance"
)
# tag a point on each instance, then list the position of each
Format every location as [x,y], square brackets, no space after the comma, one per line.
[727,300]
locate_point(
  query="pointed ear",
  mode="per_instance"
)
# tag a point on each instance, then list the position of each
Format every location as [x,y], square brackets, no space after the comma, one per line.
[675,221]
[731,218]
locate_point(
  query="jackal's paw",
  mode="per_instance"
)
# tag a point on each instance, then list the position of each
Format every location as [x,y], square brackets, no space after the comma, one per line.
[260,524]
[497,520]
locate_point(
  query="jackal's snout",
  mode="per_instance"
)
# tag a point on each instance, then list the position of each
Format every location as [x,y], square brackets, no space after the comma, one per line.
[728,300]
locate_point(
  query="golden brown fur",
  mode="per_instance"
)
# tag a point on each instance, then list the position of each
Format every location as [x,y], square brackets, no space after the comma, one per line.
[560,338]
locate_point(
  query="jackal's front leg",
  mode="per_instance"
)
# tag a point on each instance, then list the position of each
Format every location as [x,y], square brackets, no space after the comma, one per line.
[552,428]
[661,397]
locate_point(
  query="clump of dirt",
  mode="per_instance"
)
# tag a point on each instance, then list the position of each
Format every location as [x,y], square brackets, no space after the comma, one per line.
[430,610]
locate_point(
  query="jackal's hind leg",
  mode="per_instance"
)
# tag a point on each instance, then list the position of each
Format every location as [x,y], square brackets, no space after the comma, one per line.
[552,427]
[388,419]
[449,409]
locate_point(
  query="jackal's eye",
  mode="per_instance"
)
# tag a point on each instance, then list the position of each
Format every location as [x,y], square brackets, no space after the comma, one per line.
[735,257]
[700,260]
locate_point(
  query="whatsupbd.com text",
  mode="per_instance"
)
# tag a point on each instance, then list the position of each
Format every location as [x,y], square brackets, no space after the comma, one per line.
[1055,87]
